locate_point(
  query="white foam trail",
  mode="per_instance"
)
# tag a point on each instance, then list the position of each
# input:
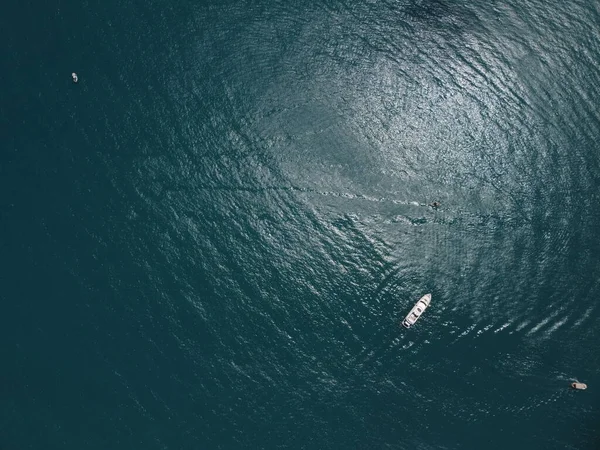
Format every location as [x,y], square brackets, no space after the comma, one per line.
[407,346]
[539,325]
[522,325]
[497,330]
[467,331]
[586,314]
[487,327]
[557,325]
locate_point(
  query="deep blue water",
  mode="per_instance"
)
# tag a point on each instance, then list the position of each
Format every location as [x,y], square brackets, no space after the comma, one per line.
[210,240]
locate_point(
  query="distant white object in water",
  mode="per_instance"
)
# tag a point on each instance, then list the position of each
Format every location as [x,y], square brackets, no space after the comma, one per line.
[579,386]
[75,78]
[416,311]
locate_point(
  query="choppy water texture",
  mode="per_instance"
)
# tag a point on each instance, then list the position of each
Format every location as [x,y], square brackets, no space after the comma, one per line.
[210,240]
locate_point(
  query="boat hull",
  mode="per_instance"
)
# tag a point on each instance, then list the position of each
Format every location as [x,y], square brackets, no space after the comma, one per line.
[416,311]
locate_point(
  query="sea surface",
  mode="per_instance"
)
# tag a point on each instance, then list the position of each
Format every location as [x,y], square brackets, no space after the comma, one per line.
[209,242]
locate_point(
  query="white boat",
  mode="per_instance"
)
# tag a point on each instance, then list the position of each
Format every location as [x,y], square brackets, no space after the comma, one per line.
[416,311]
[75,78]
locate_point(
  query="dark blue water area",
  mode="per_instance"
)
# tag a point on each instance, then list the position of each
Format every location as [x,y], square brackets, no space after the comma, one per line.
[209,241]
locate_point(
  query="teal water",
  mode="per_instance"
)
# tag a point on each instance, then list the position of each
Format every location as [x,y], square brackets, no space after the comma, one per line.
[210,240]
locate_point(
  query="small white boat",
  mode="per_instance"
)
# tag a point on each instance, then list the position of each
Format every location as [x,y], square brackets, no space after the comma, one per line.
[75,78]
[579,386]
[416,311]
